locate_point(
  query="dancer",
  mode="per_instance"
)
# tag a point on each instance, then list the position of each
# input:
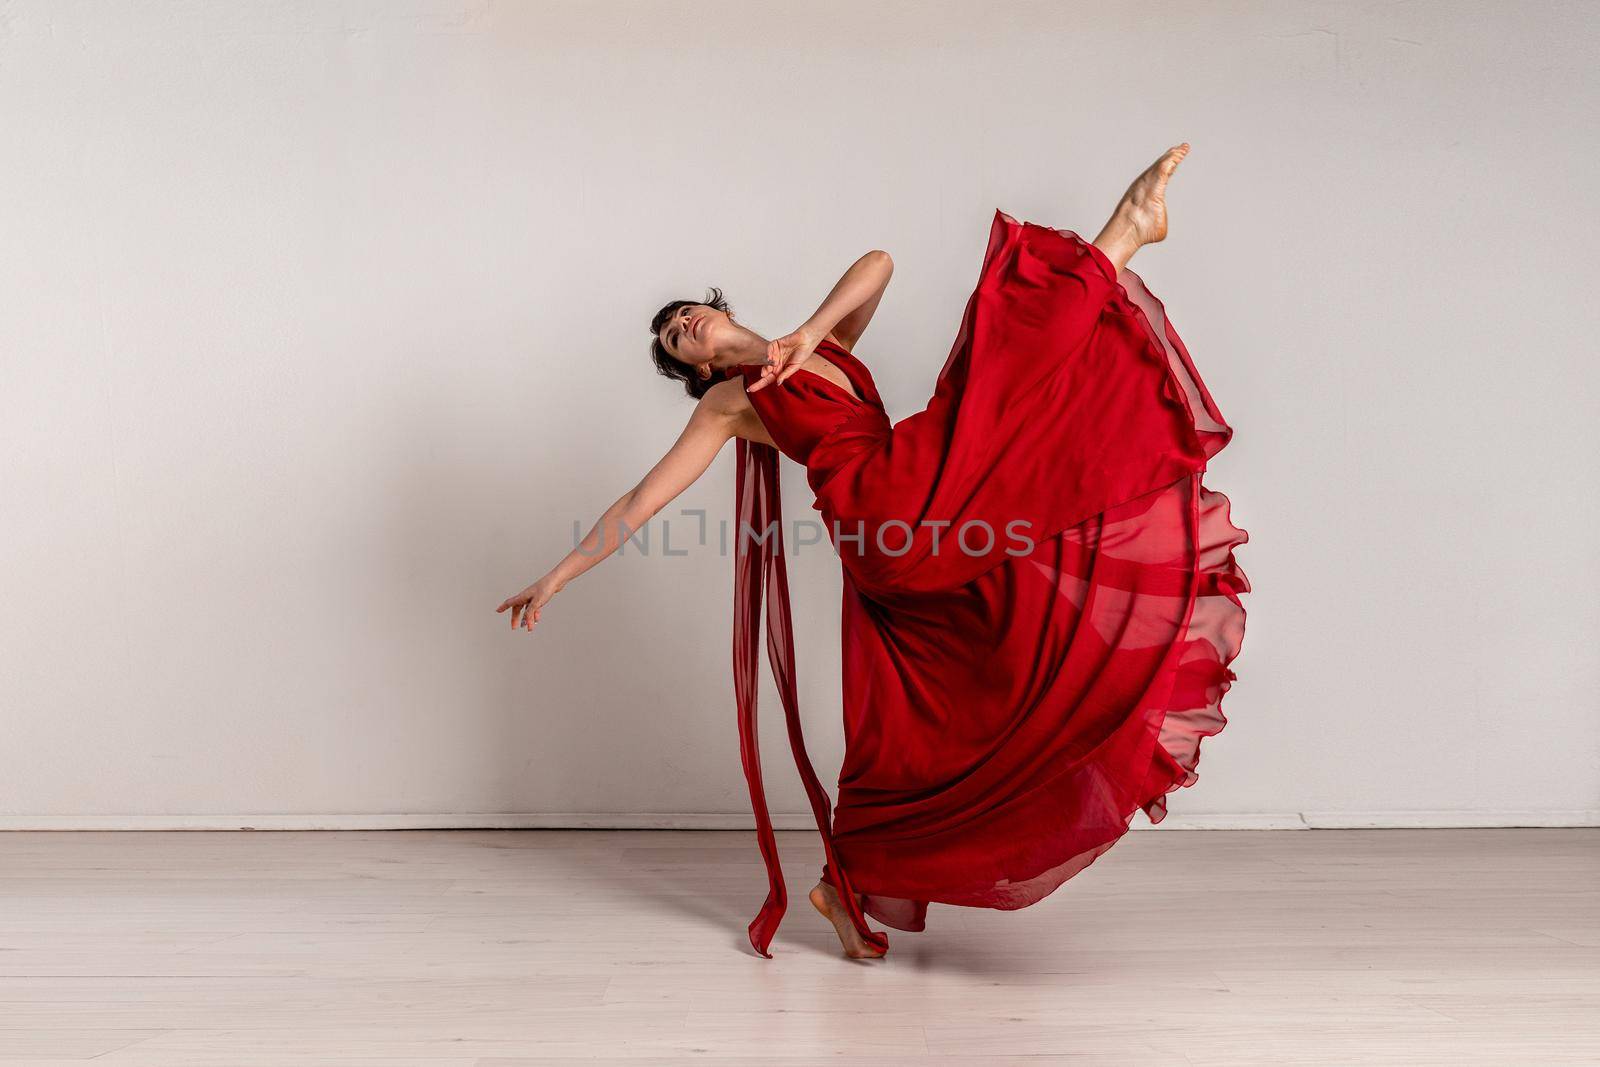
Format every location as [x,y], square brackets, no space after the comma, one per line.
[1041,600]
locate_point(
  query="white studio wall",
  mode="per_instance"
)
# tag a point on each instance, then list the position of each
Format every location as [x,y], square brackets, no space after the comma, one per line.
[324,322]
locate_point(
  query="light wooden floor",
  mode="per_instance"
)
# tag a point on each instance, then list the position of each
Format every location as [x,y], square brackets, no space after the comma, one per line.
[450,949]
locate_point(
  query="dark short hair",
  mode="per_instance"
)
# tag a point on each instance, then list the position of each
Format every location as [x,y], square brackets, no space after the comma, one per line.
[693,384]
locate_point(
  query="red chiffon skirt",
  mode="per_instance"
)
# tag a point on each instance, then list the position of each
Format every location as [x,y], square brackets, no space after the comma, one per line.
[1007,713]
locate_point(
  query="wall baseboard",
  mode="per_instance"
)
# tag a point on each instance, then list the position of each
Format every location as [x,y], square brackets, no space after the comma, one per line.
[1340,820]
[1447,820]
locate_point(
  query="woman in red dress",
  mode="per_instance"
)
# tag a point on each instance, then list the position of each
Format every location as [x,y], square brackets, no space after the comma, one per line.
[1041,600]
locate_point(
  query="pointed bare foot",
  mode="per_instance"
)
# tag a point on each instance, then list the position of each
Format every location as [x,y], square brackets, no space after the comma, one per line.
[1144,205]
[1140,217]
[826,900]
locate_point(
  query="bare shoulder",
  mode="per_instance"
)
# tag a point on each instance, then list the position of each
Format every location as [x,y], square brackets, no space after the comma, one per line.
[727,398]
[730,405]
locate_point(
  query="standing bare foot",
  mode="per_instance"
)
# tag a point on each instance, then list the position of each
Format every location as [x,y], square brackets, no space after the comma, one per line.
[826,900]
[1140,217]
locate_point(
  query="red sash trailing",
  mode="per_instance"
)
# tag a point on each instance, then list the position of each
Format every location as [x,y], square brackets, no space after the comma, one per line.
[759,568]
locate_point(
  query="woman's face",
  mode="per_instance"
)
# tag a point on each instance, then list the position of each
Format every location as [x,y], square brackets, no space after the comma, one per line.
[696,333]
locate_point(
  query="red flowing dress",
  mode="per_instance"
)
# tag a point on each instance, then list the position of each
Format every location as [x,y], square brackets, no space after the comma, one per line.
[1041,600]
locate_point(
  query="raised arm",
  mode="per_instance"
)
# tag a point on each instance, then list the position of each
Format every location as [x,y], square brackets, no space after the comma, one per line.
[844,315]
[716,418]
[849,307]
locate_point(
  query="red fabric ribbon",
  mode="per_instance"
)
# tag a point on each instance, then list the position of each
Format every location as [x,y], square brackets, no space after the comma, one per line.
[759,568]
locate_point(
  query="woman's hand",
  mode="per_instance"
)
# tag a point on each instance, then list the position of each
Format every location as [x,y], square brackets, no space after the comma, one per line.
[529,603]
[785,356]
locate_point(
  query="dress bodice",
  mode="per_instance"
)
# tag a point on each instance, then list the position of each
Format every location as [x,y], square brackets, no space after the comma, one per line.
[815,421]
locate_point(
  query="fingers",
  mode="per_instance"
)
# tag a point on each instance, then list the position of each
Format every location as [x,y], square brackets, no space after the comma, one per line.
[775,364]
[523,613]
[523,617]
[775,374]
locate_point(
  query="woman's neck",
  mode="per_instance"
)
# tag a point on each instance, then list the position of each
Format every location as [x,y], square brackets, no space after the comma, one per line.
[751,348]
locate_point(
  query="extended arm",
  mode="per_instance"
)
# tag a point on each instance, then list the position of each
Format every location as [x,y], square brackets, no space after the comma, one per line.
[713,422]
